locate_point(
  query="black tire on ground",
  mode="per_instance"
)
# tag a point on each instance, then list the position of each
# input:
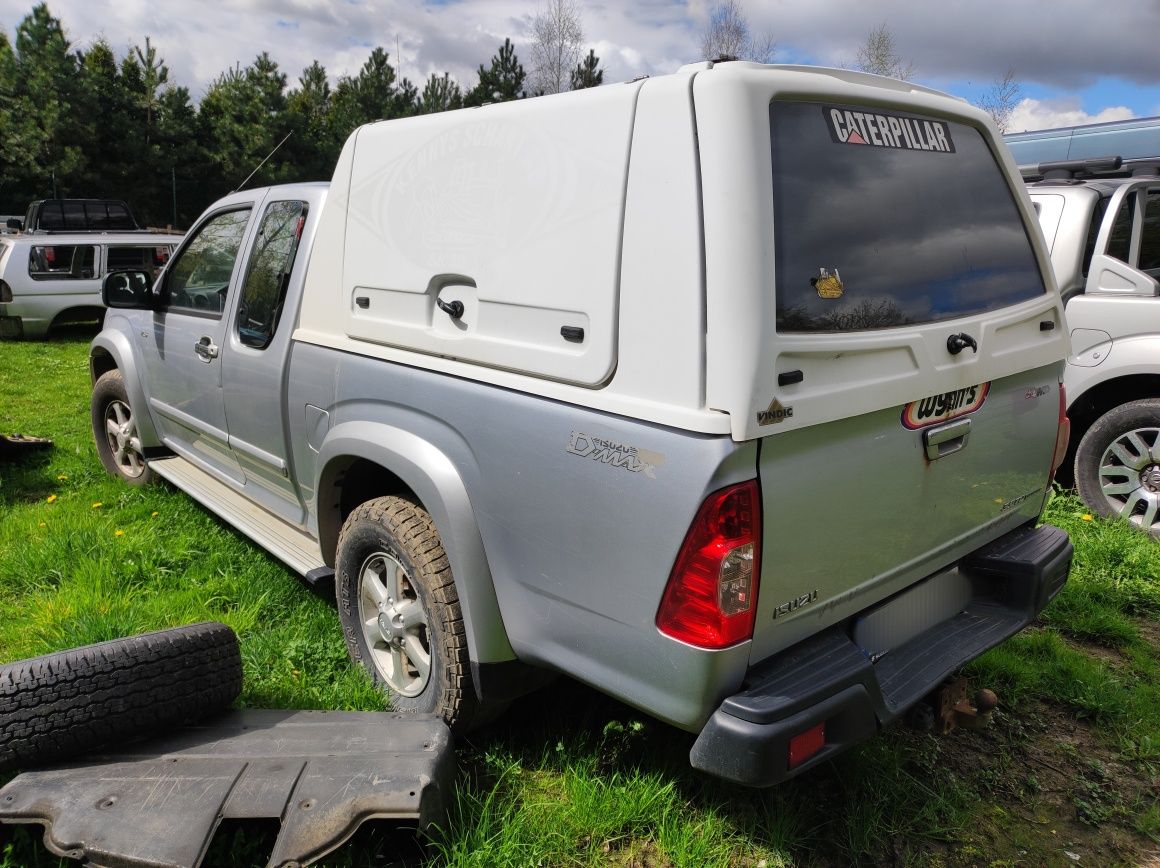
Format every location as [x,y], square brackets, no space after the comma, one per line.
[1117,466]
[64,704]
[400,611]
[115,431]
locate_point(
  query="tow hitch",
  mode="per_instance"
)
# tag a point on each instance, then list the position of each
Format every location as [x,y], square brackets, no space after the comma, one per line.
[952,706]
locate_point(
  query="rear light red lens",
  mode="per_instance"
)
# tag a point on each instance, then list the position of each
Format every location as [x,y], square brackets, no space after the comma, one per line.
[1062,435]
[805,745]
[711,597]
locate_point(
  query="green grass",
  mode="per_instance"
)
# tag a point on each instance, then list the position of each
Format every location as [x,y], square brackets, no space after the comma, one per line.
[570,777]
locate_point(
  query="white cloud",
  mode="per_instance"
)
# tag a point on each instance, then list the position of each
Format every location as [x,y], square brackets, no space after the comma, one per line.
[1035,114]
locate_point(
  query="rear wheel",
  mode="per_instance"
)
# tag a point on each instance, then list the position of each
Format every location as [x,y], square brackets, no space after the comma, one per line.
[1117,464]
[400,610]
[115,431]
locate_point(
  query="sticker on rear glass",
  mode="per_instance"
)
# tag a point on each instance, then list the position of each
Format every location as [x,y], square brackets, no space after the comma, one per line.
[880,130]
[940,408]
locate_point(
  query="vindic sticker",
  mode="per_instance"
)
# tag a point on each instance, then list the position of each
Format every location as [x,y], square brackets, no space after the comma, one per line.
[940,408]
[774,414]
[615,454]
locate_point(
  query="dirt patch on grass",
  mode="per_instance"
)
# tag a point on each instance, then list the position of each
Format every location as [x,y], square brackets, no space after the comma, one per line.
[1053,792]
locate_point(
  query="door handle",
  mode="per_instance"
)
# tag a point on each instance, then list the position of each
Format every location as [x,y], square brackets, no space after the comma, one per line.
[206,348]
[946,439]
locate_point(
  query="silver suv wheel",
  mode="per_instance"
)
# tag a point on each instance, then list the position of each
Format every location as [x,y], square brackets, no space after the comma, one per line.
[121,434]
[1117,464]
[394,625]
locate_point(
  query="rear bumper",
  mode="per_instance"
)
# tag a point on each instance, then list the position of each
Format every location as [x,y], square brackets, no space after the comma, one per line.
[852,689]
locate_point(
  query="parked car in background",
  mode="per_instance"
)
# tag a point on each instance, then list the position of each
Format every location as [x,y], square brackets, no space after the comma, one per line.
[1132,139]
[76,215]
[1101,220]
[48,279]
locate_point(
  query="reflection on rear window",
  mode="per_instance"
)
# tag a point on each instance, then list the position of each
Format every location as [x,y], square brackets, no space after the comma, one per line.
[887,219]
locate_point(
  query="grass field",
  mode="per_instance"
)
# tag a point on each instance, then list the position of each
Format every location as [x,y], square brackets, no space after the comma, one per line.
[1068,768]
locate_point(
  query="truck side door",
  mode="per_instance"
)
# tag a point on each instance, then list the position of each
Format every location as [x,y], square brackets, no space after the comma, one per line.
[182,353]
[254,366]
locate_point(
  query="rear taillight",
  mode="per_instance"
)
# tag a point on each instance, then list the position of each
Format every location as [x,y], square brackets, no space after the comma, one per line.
[50,255]
[160,256]
[5,292]
[711,598]
[1062,435]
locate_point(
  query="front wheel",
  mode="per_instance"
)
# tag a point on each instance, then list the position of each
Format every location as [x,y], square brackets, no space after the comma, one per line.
[1117,464]
[400,611]
[115,431]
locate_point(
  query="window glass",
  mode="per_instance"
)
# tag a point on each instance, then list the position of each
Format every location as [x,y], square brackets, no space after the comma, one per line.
[1093,232]
[200,277]
[888,219]
[137,258]
[1120,244]
[62,262]
[74,214]
[264,289]
[1150,237]
[51,217]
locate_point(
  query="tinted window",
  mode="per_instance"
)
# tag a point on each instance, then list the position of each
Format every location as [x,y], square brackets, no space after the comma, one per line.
[1093,232]
[200,277]
[62,262]
[149,258]
[885,219]
[1150,237]
[269,272]
[1120,244]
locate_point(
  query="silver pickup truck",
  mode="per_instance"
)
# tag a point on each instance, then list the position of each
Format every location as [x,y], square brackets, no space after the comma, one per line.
[734,393]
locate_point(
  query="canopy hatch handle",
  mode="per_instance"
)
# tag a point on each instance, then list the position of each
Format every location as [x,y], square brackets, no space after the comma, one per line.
[957,343]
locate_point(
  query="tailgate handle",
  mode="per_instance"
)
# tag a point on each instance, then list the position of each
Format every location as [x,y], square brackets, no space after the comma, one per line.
[946,439]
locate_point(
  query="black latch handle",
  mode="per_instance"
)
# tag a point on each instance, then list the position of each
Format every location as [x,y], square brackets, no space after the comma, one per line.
[957,343]
[453,309]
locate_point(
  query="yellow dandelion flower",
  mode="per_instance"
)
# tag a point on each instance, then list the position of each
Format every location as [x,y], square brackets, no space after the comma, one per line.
[1086,517]
[97,505]
[62,477]
[118,532]
[42,524]
[51,498]
[154,515]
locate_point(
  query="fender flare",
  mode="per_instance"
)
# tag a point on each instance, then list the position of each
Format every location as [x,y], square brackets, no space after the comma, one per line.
[436,482]
[114,343]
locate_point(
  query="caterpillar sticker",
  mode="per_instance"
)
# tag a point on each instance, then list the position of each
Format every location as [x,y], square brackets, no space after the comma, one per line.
[881,130]
[948,405]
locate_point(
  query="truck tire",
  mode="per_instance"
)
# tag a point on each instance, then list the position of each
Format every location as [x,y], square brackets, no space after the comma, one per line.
[1117,464]
[64,704]
[400,610]
[115,431]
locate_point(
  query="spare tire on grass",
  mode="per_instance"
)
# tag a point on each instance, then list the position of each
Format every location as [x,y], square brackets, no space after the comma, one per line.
[63,704]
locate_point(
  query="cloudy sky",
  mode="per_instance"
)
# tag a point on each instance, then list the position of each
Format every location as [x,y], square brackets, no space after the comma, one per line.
[1073,67]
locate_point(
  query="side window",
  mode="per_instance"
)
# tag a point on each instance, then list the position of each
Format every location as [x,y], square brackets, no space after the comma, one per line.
[136,258]
[1093,232]
[264,289]
[1150,237]
[62,262]
[1120,244]
[200,278]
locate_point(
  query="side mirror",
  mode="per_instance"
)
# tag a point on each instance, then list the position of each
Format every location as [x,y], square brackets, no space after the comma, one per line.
[15,223]
[128,289]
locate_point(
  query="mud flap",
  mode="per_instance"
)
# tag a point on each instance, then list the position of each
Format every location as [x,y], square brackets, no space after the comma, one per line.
[321,773]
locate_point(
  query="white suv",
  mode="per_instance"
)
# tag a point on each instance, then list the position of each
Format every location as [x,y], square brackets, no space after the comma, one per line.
[1101,220]
[48,279]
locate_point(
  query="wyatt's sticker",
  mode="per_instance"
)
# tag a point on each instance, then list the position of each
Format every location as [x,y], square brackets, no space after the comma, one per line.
[880,130]
[948,405]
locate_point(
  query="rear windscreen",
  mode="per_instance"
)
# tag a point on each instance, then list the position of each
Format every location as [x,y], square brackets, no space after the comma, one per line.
[886,219]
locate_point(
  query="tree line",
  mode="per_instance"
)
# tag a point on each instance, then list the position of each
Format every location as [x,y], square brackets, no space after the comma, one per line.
[81,123]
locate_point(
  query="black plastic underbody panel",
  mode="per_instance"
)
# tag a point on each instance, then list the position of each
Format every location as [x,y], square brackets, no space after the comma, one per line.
[159,801]
[830,679]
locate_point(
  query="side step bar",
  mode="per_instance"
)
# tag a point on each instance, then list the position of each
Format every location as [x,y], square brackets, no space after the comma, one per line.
[291,545]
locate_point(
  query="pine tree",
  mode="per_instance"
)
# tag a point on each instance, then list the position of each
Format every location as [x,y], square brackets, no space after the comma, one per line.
[440,93]
[588,73]
[502,82]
